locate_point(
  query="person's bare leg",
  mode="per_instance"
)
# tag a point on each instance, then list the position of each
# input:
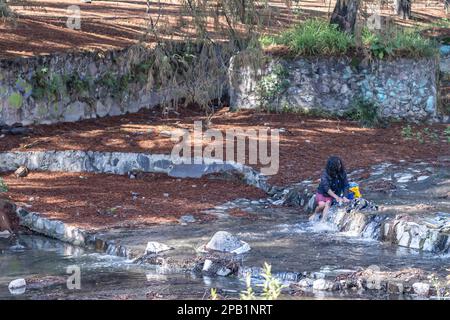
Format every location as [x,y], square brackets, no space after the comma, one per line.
[325,210]
[317,211]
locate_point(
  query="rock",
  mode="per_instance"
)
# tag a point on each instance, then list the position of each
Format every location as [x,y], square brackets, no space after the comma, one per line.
[165,133]
[154,247]
[21,172]
[207,265]
[306,282]
[395,287]
[226,242]
[17,286]
[19,131]
[5,234]
[311,205]
[318,275]
[403,178]
[421,288]
[223,272]
[323,285]
[216,268]
[187,219]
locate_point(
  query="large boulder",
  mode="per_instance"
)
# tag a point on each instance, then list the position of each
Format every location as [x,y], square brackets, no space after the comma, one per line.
[17,286]
[154,247]
[223,241]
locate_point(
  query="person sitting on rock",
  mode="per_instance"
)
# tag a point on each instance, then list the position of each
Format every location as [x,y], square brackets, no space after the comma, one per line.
[333,186]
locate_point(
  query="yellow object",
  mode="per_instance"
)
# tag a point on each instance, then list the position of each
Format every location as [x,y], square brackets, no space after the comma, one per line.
[355,191]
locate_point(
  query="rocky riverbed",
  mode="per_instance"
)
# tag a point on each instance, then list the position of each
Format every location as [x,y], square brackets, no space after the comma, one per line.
[327,258]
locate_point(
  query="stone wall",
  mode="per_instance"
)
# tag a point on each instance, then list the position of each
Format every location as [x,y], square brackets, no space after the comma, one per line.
[69,87]
[402,88]
[73,86]
[122,163]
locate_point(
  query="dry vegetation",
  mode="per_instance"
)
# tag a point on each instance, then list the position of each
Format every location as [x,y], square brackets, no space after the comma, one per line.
[39,27]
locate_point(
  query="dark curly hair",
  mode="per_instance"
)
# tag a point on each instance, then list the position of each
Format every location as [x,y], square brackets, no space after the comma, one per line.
[335,167]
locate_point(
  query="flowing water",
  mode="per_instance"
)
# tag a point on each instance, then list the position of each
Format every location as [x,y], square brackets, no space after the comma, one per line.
[290,246]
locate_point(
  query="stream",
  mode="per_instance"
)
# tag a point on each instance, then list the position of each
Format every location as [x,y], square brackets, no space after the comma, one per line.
[291,245]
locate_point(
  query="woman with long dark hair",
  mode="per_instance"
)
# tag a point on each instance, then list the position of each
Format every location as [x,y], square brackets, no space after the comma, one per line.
[333,186]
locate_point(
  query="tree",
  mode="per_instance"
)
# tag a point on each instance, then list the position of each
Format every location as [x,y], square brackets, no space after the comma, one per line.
[4,9]
[344,14]
[403,8]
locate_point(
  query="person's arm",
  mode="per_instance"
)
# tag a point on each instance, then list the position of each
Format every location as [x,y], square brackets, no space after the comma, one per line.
[335,196]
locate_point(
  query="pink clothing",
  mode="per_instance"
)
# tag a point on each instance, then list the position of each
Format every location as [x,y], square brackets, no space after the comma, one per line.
[320,197]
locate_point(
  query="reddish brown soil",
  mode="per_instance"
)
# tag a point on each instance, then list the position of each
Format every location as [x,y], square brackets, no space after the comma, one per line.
[98,201]
[40,26]
[304,147]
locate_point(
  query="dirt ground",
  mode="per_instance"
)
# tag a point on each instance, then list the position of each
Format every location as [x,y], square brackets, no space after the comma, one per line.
[305,143]
[93,201]
[40,26]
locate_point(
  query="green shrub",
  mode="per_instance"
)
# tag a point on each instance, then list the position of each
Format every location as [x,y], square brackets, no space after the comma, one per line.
[365,112]
[398,42]
[271,287]
[407,132]
[76,85]
[5,11]
[117,85]
[47,85]
[270,87]
[318,37]
[313,37]
[3,186]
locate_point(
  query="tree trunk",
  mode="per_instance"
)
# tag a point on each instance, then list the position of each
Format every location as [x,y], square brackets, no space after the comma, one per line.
[344,14]
[242,11]
[403,8]
[4,9]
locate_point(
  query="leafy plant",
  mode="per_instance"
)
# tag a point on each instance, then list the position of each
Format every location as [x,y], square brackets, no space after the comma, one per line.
[270,87]
[313,37]
[431,134]
[248,294]
[117,85]
[214,295]
[447,134]
[419,137]
[365,112]
[407,132]
[318,37]
[76,85]
[5,11]
[398,42]
[3,186]
[271,286]
[47,85]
